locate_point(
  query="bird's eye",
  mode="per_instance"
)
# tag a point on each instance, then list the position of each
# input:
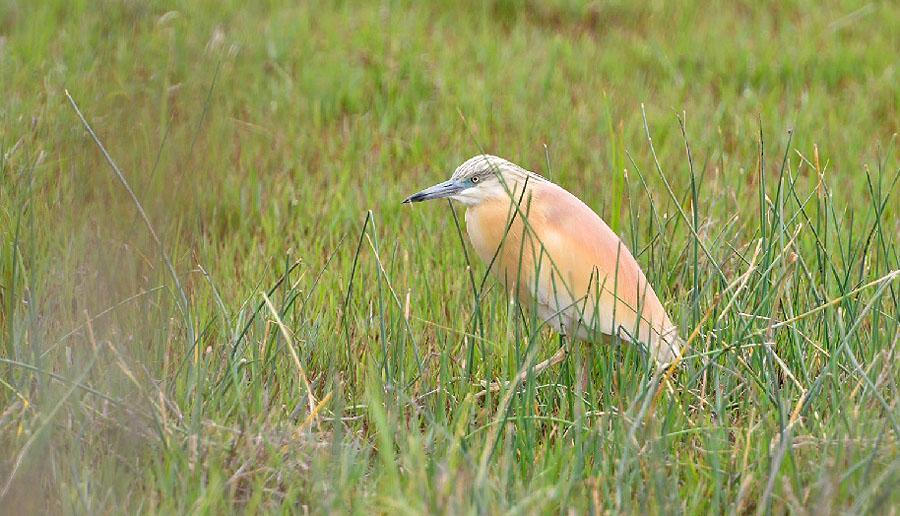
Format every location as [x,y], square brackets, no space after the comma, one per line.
[475,179]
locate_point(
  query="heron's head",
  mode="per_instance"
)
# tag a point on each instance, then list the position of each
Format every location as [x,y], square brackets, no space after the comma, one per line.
[480,178]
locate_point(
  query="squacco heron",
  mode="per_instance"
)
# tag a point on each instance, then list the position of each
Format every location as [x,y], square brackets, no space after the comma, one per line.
[557,255]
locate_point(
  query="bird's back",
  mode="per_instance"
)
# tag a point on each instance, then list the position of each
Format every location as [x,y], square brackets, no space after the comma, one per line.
[566,261]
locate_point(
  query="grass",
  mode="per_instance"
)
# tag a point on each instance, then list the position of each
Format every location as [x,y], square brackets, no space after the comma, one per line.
[317,346]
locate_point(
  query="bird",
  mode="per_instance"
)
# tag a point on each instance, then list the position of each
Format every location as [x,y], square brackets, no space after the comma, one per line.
[555,254]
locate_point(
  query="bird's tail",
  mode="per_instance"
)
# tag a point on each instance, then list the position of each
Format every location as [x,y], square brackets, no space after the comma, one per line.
[671,352]
[668,349]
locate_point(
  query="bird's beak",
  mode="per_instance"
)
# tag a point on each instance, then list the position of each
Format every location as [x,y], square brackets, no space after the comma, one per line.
[438,191]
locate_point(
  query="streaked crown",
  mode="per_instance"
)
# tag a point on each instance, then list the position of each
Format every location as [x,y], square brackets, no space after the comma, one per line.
[486,165]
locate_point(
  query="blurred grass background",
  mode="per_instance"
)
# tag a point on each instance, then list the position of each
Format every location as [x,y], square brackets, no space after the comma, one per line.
[271,144]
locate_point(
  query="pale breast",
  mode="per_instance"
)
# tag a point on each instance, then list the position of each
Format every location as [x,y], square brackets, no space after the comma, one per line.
[568,263]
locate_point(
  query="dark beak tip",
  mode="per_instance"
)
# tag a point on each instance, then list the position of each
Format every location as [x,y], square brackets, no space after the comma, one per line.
[438,191]
[416,197]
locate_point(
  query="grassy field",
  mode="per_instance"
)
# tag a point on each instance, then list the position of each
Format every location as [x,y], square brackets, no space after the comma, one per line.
[289,337]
